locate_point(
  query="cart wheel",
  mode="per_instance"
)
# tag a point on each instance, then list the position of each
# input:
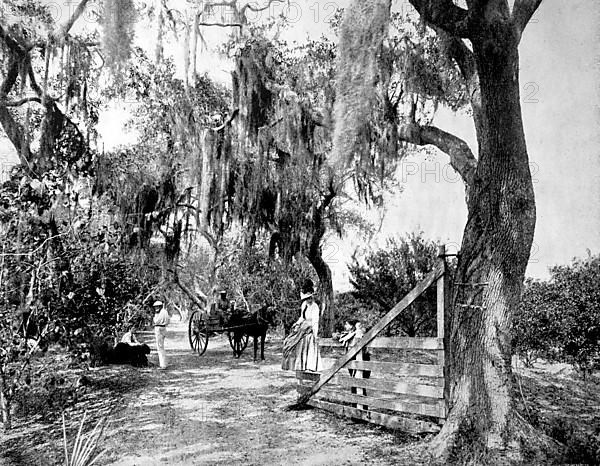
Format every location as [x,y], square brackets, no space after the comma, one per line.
[198,333]
[238,342]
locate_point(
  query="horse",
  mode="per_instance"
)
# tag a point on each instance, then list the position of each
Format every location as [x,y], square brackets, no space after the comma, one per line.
[253,325]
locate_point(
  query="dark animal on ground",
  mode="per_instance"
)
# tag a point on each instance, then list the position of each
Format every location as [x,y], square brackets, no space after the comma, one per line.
[124,353]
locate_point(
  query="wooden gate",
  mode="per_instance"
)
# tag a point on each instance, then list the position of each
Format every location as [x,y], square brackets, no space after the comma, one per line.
[403,385]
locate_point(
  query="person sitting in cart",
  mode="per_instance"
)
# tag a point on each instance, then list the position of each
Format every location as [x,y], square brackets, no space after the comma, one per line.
[222,308]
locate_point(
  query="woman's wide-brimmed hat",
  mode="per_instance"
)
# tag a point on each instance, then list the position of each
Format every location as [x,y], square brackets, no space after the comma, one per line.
[157,303]
[304,296]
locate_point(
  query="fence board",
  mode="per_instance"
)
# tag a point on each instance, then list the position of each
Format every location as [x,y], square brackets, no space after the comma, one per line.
[391,421]
[330,343]
[417,343]
[399,369]
[408,343]
[428,391]
[436,409]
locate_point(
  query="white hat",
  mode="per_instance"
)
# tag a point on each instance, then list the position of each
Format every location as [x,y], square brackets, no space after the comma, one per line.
[157,303]
[304,296]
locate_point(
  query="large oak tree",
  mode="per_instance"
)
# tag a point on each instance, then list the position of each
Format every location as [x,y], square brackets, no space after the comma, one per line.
[482,38]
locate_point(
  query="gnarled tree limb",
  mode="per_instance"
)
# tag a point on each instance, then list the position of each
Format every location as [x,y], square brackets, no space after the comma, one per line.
[465,60]
[197,299]
[222,25]
[258,9]
[522,13]
[461,156]
[62,33]
[19,102]
[11,76]
[229,120]
[11,127]
[446,15]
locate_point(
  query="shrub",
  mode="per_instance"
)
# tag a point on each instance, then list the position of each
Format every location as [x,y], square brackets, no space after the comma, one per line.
[386,275]
[349,305]
[535,327]
[560,319]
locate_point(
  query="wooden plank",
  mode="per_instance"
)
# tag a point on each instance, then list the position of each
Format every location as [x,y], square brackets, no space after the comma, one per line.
[436,409]
[378,327]
[428,391]
[330,343]
[408,343]
[394,342]
[390,421]
[399,369]
[441,303]
[443,359]
[387,395]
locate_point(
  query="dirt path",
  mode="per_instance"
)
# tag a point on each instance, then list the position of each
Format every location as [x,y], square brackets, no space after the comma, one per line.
[216,409]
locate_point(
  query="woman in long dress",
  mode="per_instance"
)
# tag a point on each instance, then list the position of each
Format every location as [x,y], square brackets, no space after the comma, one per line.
[300,348]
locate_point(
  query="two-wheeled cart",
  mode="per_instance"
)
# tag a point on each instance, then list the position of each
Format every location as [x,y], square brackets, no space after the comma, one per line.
[202,325]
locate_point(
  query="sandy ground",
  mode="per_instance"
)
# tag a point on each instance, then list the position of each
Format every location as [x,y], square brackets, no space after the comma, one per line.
[215,409]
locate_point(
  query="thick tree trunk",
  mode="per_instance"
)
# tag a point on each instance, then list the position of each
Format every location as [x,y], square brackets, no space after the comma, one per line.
[326,326]
[497,240]
[315,256]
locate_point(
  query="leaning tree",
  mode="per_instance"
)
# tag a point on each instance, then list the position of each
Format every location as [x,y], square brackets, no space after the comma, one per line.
[482,39]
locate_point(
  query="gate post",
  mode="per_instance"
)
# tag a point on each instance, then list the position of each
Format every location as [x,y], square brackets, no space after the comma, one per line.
[443,295]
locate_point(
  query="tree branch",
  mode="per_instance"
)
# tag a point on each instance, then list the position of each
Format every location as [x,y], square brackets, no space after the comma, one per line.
[461,156]
[460,53]
[11,76]
[18,103]
[14,131]
[198,300]
[11,42]
[11,127]
[64,31]
[33,80]
[522,13]
[446,15]
[257,9]
[223,25]
[228,121]
[465,60]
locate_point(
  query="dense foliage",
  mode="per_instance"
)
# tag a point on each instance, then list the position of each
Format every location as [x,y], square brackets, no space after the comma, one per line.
[559,319]
[253,281]
[386,275]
